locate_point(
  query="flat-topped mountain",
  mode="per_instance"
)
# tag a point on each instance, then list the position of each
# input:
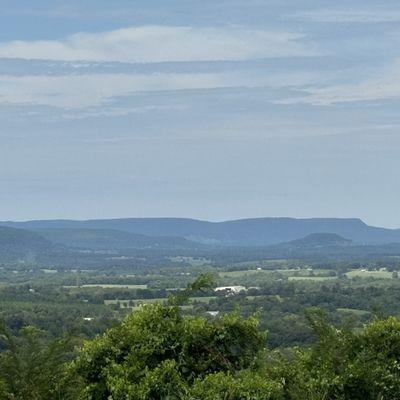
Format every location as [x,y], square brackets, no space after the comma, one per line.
[244,232]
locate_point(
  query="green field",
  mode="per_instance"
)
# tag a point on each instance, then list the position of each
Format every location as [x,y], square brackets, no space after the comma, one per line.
[240,274]
[108,286]
[312,278]
[270,264]
[359,273]
[286,272]
[194,262]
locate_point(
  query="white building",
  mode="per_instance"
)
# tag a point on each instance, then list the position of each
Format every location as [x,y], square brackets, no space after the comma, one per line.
[230,289]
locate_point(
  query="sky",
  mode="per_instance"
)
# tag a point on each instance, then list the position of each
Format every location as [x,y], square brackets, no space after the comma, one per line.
[205,109]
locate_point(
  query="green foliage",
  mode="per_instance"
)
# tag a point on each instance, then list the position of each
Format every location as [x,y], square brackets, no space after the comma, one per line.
[157,345]
[30,368]
[345,365]
[157,353]
[201,284]
[248,385]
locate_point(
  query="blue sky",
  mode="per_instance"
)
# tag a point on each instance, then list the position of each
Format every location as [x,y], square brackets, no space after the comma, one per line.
[206,109]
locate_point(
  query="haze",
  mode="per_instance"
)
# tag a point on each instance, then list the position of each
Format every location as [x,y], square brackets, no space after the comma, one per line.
[211,109]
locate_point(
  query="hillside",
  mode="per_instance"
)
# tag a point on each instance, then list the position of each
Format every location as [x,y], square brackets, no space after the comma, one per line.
[318,240]
[244,232]
[112,239]
[20,244]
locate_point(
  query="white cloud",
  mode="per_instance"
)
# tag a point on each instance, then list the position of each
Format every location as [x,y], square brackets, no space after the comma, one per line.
[164,43]
[82,91]
[350,16]
[120,111]
[385,85]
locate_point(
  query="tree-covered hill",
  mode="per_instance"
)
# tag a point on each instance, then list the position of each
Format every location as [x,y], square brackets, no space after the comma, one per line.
[319,240]
[21,244]
[113,239]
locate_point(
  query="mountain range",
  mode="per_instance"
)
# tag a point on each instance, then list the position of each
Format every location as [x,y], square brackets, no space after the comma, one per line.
[243,232]
[157,241]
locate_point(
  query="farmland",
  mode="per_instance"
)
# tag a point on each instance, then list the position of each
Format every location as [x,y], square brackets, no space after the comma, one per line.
[280,291]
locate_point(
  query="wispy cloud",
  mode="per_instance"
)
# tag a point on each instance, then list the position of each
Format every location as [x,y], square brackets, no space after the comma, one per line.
[384,85]
[364,15]
[81,91]
[120,111]
[164,43]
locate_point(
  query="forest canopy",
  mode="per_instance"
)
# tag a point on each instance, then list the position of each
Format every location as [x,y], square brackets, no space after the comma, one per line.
[160,353]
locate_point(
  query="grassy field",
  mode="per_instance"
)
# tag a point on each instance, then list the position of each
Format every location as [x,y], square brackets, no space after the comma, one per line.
[194,262]
[311,278]
[109,286]
[305,271]
[286,272]
[359,273]
[305,274]
[270,264]
[240,274]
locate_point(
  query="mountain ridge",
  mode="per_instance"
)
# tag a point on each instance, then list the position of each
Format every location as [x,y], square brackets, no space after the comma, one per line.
[241,232]
[21,244]
[319,240]
[98,239]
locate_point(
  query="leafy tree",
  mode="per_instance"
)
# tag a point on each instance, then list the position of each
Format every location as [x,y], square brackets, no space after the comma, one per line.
[346,365]
[245,385]
[30,367]
[157,353]
[160,353]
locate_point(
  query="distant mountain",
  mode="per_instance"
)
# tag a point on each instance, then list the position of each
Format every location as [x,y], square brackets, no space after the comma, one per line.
[107,248]
[20,244]
[112,239]
[245,232]
[316,247]
[318,240]
[316,244]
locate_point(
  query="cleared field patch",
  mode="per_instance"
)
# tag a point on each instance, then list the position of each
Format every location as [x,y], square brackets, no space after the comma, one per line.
[269,264]
[134,302]
[240,274]
[306,272]
[312,278]
[361,273]
[108,286]
[194,262]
